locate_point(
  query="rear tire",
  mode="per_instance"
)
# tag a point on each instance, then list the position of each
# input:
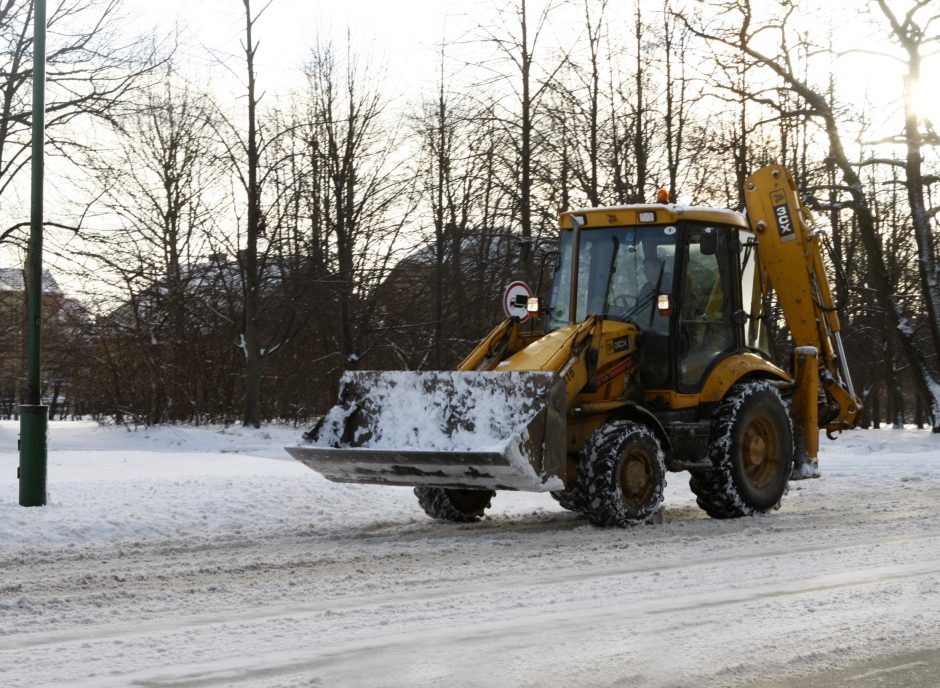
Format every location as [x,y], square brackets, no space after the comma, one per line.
[624,475]
[461,506]
[751,452]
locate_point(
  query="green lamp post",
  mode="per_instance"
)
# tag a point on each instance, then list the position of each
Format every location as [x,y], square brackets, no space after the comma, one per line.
[34,417]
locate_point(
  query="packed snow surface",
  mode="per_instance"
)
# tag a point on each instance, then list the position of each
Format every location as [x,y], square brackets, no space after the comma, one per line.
[206,557]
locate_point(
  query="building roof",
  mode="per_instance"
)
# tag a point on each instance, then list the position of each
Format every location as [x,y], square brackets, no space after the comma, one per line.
[11,279]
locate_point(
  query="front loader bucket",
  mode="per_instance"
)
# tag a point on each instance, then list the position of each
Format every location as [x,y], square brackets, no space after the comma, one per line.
[476,430]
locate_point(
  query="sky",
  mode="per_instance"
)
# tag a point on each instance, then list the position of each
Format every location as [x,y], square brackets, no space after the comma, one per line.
[402,38]
[399,35]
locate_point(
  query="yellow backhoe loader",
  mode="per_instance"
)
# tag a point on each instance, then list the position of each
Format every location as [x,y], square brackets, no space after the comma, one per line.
[652,358]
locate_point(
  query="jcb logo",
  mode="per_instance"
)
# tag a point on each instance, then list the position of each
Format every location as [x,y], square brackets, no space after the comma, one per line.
[619,344]
[782,211]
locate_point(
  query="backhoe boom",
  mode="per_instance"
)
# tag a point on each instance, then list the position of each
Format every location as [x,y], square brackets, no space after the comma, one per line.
[790,262]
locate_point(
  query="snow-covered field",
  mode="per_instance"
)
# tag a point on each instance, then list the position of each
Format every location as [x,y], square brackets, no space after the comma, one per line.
[206,557]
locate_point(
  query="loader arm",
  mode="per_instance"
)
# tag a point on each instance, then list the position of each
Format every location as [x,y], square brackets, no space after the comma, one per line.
[789,260]
[501,341]
[564,351]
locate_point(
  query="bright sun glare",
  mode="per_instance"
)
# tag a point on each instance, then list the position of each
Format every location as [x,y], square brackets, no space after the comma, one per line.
[926,101]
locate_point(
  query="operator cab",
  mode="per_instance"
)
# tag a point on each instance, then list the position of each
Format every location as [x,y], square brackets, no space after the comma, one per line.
[678,281]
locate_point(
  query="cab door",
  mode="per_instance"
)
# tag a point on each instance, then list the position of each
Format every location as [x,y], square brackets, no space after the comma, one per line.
[705,330]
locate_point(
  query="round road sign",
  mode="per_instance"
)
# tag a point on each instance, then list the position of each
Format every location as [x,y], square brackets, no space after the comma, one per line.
[515,299]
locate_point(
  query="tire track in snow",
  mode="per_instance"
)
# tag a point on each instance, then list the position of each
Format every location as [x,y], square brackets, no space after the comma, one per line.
[288,554]
[357,604]
[537,626]
[791,521]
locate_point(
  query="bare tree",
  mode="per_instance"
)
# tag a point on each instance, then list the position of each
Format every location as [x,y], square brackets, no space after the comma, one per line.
[364,198]
[90,72]
[675,114]
[912,33]
[515,38]
[154,192]
[641,147]
[253,229]
[574,130]
[594,25]
[244,149]
[466,262]
[437,135]
[739,34]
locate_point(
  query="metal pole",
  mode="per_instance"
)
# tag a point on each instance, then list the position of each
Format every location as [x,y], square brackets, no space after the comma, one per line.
[34,417]
[576,224]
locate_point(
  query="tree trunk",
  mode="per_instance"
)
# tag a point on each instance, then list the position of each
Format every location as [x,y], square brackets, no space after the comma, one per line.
[640,152]
[439,246]
[250,343]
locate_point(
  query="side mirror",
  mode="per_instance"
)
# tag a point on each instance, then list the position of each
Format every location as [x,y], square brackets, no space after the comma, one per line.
[709,241]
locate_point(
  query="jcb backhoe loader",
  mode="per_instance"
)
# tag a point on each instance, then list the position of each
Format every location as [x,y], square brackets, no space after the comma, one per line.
[653,358]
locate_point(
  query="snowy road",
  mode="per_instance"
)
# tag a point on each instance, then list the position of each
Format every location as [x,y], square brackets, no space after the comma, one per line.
[165,559]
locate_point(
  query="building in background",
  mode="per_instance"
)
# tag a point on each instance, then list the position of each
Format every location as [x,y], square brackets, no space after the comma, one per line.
[65,323]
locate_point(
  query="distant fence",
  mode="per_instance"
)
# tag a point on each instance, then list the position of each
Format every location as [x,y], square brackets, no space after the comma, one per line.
[63,408]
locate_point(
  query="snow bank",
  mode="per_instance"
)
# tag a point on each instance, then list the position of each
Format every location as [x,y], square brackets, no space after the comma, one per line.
[117,484]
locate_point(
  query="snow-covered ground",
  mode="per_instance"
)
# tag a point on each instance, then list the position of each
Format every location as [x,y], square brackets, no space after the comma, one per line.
[206,557]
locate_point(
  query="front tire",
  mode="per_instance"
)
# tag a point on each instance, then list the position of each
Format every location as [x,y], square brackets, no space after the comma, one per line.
[751,453]
[461,506]
[623,474]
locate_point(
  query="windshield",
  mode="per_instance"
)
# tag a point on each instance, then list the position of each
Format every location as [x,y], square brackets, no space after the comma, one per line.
[621,272]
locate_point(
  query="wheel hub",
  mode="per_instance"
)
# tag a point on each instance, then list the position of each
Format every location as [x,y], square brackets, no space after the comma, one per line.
[636,478]
[760,449]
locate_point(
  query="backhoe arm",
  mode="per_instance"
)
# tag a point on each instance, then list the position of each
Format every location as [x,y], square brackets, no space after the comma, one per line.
[790,261]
